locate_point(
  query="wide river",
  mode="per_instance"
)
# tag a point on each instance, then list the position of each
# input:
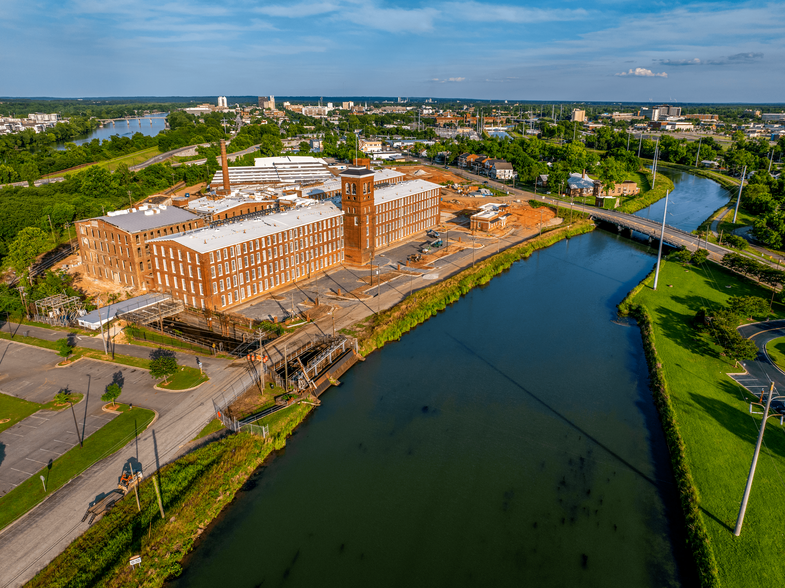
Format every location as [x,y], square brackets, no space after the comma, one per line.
[509,441]
[148,125]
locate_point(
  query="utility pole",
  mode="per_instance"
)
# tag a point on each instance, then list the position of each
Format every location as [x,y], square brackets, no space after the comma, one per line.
[78,435]
[640,142]
[748,487]
[698,155]
[662,238]
[738,199]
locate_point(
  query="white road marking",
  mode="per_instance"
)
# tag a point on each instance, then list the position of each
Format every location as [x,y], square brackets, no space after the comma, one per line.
[36,461]
[22,471]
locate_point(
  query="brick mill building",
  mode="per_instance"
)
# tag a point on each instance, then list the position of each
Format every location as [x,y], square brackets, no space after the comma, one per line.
[221,267]
[378,218]
[114,248]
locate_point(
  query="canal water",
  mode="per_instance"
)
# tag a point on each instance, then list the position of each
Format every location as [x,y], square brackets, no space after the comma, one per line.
[510,440]
[148,125]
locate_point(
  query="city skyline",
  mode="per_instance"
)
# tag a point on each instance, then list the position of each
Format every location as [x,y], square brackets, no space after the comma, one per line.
[601,51]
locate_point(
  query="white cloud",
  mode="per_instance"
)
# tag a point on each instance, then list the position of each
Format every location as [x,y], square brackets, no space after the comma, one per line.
[301,10]
[643,73]
[391,20]
[448,80]
[481,12]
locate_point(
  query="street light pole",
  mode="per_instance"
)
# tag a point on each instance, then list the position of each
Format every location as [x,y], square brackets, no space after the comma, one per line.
[748,487]
[738,198]
[662,238]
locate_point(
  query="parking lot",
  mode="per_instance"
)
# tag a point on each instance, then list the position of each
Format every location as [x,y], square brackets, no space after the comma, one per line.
[30,444]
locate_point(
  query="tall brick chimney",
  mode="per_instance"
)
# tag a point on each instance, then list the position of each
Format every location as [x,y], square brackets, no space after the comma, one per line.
[225,167]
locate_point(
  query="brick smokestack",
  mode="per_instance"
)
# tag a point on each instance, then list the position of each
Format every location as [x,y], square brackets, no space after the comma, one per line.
[225,167]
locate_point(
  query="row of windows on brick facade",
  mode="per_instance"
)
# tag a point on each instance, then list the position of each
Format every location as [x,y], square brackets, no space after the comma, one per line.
[253,284]
[245,261]
[109,274]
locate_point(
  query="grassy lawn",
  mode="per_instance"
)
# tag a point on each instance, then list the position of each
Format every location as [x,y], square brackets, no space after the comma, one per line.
[185,377]
[647,195]
[211,427]
[130,159]
[15,409]
[718,431]
[105,441]
[776,350]
[149,338]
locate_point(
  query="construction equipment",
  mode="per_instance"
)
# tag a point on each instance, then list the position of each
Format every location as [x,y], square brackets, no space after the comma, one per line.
[415,257]
[128,481]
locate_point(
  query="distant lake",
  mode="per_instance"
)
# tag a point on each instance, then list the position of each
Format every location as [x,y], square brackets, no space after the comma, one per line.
[149,125]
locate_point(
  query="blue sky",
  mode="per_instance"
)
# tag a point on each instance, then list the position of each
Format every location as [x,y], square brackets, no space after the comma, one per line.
[563,50]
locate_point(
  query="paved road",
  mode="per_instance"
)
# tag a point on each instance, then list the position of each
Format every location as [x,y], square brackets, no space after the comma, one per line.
[31,542]
[230,156]
[761,372]
[165,156]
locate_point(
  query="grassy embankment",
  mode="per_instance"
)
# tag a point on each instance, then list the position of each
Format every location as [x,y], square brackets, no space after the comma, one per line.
[105,441]
[710,433]
[776,350]
[16,409]
[647,196]
[394,322]
[129,159]
[195,488]
[149,338]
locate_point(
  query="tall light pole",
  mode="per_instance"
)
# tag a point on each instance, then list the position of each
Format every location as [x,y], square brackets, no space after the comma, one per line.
[662,238]
[748,487]
[738,199]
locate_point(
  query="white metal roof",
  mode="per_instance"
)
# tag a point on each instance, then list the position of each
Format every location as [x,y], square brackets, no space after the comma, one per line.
[402,189]
[211,239]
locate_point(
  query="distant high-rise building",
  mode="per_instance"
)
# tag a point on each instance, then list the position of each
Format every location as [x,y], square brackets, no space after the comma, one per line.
[578,115]
[661,112]
[347,105]
[267,104]
[222,102]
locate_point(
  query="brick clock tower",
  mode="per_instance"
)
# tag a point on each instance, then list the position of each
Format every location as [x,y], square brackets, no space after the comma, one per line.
[357,202]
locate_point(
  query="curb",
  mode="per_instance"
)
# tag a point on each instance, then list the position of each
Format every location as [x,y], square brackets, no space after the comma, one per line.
[183,390]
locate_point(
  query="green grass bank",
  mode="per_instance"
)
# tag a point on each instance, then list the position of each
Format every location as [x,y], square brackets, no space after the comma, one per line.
[648,195]
[709,431]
